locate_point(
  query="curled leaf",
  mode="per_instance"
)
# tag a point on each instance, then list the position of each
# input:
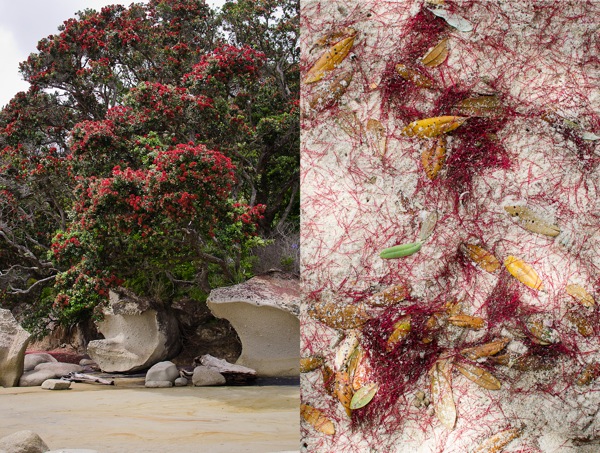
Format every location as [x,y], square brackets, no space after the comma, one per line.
[432,127]
[400,251]
[377,137]
[485,350]
[497,442]
[434,156]
[579,293]
[523,272]
[530,221]
[362,372]
[339,316]
[401,331]
[481,257]
[454,20]
[583,324]
[471,322]
[441,393]
[414,76]
[327,96]
[317,419]
[437,55]
[364,395]
[330,59]
[310,363]
[389,296]
[478,375]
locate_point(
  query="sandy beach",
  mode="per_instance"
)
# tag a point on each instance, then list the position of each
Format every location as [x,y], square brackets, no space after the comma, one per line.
[116,419]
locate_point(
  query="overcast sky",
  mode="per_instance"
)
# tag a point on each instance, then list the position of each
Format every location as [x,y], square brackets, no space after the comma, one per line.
[23,23]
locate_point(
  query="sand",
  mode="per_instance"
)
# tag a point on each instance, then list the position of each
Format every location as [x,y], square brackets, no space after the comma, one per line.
[187,419]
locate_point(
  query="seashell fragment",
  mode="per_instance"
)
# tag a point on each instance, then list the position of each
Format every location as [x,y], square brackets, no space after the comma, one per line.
[481,257]
[485,350]
[364,395]
[579,293]
[441,393]
[414,76]
[310,363]
[523,272]
[433,127]
[529,220]
[433,157]
[478,375]
[437,55]
[452,19]
[471,322]
[377,137]
[330,59]
[315,418]
[497,442]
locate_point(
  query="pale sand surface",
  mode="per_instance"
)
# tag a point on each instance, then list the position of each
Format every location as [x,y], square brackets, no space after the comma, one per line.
[189,419]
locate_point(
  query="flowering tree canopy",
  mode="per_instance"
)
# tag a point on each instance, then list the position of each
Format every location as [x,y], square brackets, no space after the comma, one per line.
[155,147]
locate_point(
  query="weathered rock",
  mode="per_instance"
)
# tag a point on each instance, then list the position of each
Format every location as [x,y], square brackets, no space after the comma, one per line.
[73,450]
[162,371]
[59,368]
[138,333]
[264,312]
[158,384]
[13,342]
[233,374]
[56,384]
[204,376]
[87,362]
[35,377]
[181,382]
[23,442]
[32,360]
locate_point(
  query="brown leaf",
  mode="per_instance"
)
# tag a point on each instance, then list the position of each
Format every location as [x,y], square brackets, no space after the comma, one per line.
[401,331]
[414,76]
[478,375]
[481,257]
[497,442]
[471,322]
[349,123]
[485,350]
[332,37]
[326,96]
[389,296]
[317,419]
[342,389]
[310,363]
[377,137]
[437,55]
[433,157]
[483,106]
[339,316]
[588,374]
[580,294]
[330,60]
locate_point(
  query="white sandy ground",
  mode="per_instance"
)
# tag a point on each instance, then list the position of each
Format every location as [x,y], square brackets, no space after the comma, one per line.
[110,419]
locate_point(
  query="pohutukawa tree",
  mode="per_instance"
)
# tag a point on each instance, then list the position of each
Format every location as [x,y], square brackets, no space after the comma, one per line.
[156,146]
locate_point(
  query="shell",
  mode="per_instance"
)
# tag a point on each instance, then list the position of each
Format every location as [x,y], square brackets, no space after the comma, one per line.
[377,137]
[481,257]
[401,331]
[433,127]
[529,220]
[497,442]
[310,363]
[330,59]
[485,350]
[437,55]
[339,316]
[434,157]
[523,272]
[478,375]
[579,293]
[471,322]
[317,419]
[414,76]
[441,393]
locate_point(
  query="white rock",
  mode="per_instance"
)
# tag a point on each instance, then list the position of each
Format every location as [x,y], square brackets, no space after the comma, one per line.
[35,377]
[204,376]
[264,312]
[32,360]
[162,371]
[60,368]
[13,342]
[56,384]
[158,384]
[23,442]
[181,382]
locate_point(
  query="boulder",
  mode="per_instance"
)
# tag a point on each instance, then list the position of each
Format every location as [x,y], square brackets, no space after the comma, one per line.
[233,374]
[204,376]
[181,382]
[13,342]
[56,384]
[73,450]
[264,312]
[137,333]
[158,384]
[59,368]
[162,371]
[33,360]
[23,442]
[35,377]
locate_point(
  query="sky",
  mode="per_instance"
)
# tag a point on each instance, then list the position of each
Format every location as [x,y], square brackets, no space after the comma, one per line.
[23,23]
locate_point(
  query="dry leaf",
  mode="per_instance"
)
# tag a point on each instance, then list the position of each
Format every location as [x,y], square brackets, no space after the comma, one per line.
[414,76]
[310,363]
[389,296]
[432,127]
[333,37]
[330,60]
[317,420]
[349,123]
[541,332]
[342,389]
[328,378]
[401,331]
[579,293]
[478,375]
[588,374]
[584,326]
[339,316]
[362,372]
[437,55]
[471,322]
[433,157]
[326,96]
[377,137]
[523,272]
[485,350]
[529,220]
[429,222]
[346,348]
[484,106]
[441,393]
[498,441]
[364,395]
[481,257]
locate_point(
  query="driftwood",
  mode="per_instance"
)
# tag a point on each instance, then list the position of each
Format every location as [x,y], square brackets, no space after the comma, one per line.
[234,374]
[86,379]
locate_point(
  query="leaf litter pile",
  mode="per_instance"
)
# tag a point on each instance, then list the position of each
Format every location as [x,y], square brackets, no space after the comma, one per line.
[451,226]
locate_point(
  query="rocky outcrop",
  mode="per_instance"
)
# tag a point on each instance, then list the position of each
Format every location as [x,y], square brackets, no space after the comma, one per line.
[13,342]
[264,312]
[23,442]
[137,334]
[47,370]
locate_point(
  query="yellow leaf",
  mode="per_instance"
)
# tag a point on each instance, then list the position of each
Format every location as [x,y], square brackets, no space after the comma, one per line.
[441,393]
[530,221]
[523,272]
[412,75]
[317,420]
[342,389]
[377,137]
[498,441]
[432,127]
[579,293]
[330,60]
[433,157]
[478,375]
[437,55]
[364,395]
[472,322]
[481,257]
[401,331]
[332,37]
[329,95]
[310,363]
[485,350]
